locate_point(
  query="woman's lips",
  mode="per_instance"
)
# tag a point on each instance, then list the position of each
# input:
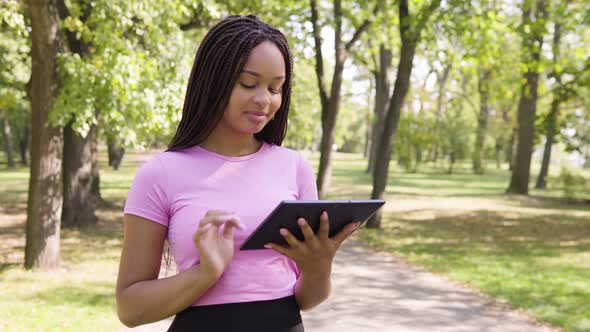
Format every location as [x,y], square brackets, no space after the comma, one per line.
[256,116]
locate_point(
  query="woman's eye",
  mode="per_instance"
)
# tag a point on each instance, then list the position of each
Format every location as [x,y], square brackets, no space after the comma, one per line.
[247,86]
[275,91]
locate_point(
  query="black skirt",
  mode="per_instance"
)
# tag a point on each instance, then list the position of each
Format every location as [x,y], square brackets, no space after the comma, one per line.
[280,315]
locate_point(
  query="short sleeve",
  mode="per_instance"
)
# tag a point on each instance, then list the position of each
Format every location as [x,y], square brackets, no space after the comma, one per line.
[306,184]
[147,196]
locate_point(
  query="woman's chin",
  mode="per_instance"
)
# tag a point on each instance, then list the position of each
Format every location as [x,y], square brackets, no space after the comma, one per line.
[251,130]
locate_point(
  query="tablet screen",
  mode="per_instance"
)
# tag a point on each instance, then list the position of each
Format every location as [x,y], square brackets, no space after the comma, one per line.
[285,215]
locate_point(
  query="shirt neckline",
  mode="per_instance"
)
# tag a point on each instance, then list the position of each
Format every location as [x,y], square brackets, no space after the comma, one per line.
[232,158]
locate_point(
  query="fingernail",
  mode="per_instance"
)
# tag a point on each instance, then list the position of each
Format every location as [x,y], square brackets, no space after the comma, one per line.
[267,246]
[301,221]
[283,231]
[325,214]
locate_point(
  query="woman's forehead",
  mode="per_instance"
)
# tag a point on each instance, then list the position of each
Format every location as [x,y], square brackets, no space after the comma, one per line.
[265,60]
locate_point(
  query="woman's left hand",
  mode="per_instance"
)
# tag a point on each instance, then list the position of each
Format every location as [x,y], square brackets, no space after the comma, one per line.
[314,255]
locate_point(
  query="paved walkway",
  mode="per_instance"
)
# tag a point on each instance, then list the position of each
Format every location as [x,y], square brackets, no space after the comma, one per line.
[377,292]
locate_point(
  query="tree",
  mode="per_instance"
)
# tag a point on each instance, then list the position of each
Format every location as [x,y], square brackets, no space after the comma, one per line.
[118,56]
[551,119]
[410,29]
[567,78]
[330,100]
[45,184]
[16,71]
[80,167]
[382,88]
[532,29]
[7,138]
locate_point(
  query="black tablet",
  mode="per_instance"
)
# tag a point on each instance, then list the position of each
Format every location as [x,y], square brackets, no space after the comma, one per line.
[285,215]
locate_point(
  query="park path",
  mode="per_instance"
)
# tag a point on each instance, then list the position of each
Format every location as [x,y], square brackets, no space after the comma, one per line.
[378,292]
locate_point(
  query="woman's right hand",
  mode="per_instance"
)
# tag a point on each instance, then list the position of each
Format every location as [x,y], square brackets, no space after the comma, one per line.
[216,248]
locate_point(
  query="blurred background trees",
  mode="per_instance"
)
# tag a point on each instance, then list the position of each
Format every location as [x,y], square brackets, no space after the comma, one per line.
[407,83]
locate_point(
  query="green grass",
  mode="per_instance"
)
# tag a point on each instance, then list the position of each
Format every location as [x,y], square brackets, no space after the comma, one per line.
[80,295]
[533,253]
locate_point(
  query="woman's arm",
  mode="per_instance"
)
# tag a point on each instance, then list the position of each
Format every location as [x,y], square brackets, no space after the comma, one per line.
[143,298]
[311,290]
[314,258]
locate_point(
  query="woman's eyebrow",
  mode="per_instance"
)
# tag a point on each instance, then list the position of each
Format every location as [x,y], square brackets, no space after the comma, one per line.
[258,75]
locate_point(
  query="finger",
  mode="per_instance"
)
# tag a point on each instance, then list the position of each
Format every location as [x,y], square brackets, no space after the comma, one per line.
[280,249]
[345,232]
[290,238]
[222,219]
[228,231]
[200,233]
[307,231]
[212,213]
[324,230]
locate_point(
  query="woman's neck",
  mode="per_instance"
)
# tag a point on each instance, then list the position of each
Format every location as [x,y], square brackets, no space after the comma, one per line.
[231,144]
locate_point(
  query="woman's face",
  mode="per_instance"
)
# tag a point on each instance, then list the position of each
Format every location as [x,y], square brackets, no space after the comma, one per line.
[257,94]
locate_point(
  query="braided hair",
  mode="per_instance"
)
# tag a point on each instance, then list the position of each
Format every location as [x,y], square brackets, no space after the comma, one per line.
[217,66]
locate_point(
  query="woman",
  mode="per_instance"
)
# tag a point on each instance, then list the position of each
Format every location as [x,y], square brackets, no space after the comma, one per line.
[222,174]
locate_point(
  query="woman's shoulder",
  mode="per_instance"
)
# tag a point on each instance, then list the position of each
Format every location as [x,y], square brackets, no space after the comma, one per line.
[284,151]
[299,157]
[156,162]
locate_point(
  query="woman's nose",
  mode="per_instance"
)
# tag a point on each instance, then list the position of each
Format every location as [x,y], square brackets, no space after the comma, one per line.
[262,97]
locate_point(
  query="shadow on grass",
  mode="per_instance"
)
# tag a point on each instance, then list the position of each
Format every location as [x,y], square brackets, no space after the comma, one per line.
[93,294]
[492,232]
[537,262]
[97,240]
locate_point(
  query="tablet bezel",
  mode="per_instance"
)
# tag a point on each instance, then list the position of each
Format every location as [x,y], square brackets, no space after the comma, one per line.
[268,230]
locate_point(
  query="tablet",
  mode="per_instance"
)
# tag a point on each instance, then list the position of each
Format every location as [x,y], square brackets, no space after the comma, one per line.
[285,215]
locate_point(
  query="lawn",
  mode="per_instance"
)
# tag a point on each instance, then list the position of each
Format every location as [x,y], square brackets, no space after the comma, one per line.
[533,253]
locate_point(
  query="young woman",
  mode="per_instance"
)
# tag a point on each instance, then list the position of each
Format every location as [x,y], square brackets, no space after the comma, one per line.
[222,174]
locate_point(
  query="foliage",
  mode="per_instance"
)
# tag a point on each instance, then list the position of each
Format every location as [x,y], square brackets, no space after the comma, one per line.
[415,138]
[131,81]
[14,63]
[573,183]
[531,253]
[457,132]
[304,128]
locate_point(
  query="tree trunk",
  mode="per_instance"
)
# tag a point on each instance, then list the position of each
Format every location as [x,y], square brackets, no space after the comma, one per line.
[519,182]
[80,178]
[541,179]
[329,116]
[369,129]
[506,141]
[115,152]
[442,82]
[409,36]
[7,138]
[510,155]
[331,104]
[400,90]
[381,98]
[551,120]
[45,184]
[499,145]
[23,144]
[482,121]
[451,162]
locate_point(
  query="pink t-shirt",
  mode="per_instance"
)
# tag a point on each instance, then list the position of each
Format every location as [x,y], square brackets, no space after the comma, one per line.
[177,188]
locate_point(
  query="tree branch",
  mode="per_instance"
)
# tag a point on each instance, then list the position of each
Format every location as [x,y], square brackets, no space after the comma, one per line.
[199,19]
[361,29]
[75,45]
[195,23]
[319,65]
[424,15]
